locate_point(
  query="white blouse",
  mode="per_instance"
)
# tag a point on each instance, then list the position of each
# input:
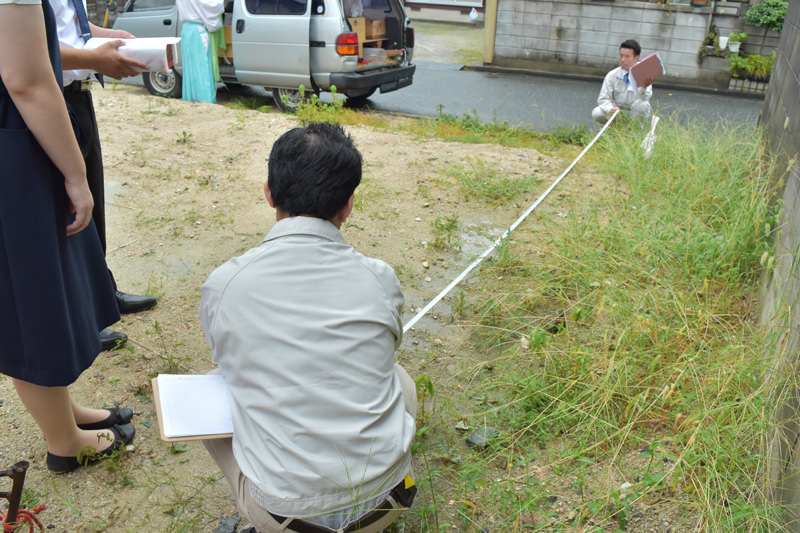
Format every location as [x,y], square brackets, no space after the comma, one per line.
[206,12]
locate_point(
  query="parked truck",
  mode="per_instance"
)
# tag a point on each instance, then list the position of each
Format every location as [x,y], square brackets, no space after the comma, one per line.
[295,48]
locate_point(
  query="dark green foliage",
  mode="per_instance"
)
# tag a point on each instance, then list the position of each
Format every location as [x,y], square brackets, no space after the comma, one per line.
[769,14]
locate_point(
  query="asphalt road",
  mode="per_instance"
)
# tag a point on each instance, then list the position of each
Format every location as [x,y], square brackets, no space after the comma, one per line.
[540,102]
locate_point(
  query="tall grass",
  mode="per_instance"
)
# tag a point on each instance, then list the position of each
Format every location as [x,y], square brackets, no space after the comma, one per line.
[479,180]
[629,352]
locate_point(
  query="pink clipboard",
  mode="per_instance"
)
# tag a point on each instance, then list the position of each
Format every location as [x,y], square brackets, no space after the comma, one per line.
[648,68]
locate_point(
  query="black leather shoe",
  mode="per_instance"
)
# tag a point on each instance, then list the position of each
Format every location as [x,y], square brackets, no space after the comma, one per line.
[118,416]
[110,339]
[132,303]
[60,465]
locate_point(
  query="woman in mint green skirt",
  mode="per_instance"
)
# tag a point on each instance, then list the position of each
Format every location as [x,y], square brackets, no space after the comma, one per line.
[200,18]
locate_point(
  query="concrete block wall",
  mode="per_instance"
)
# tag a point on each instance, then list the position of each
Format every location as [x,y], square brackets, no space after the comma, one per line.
[781,296]
[583,36]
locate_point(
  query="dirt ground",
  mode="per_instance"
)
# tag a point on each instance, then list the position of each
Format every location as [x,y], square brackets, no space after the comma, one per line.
[184,194]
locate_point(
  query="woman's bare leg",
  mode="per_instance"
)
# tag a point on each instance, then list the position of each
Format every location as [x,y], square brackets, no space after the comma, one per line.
[87,415]
[51,408]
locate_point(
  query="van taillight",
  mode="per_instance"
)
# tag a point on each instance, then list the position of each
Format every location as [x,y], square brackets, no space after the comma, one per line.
[347,44]
[410,37]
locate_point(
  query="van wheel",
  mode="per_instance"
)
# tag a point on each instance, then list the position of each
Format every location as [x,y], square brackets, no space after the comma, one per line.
[167,84]
[287,100]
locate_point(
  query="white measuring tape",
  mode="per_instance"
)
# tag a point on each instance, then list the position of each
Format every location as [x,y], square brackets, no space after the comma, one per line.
[511,228]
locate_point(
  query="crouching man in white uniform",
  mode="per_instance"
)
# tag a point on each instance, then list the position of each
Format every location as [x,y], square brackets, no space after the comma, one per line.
[304,328]
[619,90]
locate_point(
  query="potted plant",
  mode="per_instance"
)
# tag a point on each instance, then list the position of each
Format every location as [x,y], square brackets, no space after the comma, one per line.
[756,67]
[737,65]
[759,66]
[712,44]
[735,41]
[767,14]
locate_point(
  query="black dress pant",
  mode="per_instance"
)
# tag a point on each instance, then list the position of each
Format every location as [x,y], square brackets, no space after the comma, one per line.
[80,102]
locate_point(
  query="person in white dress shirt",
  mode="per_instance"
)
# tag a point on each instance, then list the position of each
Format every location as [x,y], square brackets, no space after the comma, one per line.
[620,91]
[79,66]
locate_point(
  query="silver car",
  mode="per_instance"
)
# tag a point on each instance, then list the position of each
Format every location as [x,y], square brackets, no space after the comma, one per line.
[296,48]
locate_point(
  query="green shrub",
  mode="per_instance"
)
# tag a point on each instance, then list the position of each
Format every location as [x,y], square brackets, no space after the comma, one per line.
[760,65]
[767,14]
[736,65]
[755,65]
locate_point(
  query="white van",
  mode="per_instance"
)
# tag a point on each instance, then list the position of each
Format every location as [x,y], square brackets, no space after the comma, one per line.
[284,45]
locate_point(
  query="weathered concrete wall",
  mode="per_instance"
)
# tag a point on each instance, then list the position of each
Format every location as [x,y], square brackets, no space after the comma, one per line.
[781,296]
[583,36]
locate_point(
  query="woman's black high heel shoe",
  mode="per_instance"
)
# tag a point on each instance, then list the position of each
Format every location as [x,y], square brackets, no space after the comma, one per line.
[118,417]
[122,435]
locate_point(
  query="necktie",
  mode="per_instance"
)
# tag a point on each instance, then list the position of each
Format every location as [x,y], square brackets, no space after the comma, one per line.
[83,20]
[625,77]
[86,31]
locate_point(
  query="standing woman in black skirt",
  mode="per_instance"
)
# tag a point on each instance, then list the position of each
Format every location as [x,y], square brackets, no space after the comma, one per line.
[55,291]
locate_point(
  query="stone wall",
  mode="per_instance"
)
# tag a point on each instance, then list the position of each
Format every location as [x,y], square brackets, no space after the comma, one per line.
[781,295]
[583,36]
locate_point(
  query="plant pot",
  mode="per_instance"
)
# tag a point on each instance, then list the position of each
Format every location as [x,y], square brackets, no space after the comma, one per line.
[733,47]
[747,76]
[723,42]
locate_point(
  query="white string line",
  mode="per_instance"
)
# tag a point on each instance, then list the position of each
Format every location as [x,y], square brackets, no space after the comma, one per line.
[511,228]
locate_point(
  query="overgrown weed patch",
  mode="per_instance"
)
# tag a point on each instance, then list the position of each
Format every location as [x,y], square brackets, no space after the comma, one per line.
[627,359]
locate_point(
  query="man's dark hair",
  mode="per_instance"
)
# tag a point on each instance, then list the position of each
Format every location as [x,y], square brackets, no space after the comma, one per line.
[313,170]
[631,44]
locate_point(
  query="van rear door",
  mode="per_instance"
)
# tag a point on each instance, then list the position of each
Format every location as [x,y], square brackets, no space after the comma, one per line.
[271,42]
[149,18]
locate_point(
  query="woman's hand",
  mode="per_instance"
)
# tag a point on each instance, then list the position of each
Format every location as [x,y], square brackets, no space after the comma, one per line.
[80,202]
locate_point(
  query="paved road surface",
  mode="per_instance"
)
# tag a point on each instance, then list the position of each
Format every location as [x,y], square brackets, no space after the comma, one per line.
[540,102]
